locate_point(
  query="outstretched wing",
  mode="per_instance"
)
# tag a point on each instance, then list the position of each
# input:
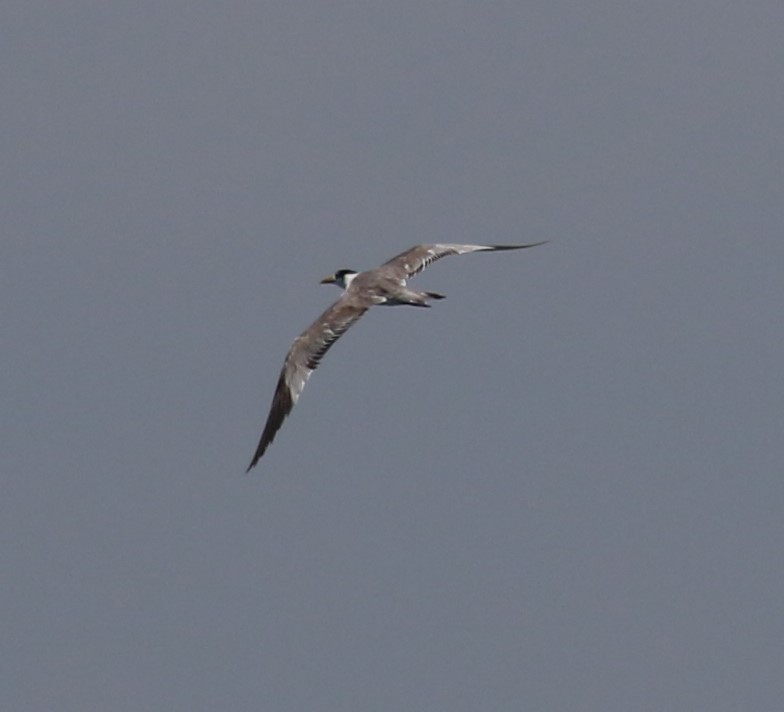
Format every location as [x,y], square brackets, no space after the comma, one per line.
[413,261]
[303,358]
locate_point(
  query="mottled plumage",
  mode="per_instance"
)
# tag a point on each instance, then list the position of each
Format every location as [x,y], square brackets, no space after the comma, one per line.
[384,285]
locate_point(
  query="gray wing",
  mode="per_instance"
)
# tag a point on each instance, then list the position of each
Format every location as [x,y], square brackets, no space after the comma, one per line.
[302,359]
[413,261]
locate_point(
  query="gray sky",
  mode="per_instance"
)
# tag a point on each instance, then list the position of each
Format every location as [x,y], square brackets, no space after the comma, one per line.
[559,489]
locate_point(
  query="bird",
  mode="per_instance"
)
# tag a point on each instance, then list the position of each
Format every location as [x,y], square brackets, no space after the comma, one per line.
[385,285]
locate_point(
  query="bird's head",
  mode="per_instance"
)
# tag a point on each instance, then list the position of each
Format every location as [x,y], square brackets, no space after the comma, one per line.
[342,278]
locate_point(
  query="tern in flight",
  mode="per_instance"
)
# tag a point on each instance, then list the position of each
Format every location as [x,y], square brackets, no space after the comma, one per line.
[384,285]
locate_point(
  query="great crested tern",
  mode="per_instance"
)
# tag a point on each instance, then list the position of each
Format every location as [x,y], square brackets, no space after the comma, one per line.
[384,285]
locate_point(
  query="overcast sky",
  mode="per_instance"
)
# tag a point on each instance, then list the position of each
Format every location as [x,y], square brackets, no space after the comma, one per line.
[559,489]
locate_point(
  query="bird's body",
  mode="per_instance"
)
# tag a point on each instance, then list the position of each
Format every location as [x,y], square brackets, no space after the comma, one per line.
[385,285]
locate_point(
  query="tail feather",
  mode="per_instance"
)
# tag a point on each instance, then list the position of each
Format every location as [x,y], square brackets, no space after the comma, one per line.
[435,295]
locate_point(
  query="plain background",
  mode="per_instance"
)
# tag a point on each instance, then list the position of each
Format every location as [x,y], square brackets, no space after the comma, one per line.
[559,489]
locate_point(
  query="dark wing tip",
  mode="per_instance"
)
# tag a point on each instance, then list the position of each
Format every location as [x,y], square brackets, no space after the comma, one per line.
[282,404]
[518,247]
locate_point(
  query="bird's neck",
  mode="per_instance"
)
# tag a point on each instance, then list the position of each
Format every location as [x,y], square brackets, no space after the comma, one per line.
[346,280]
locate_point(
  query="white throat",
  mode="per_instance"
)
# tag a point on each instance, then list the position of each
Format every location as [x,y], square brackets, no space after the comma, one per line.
[346,280]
